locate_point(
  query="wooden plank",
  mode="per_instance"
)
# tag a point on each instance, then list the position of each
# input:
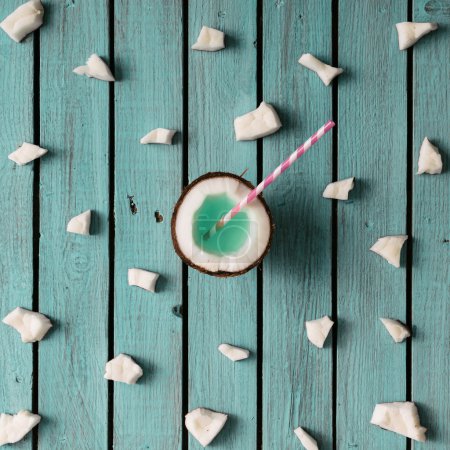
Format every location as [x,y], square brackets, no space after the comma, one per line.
[431,229]
[148,48]
[73,269]
[222,86]
[372,147]
[297,388]
[16,222]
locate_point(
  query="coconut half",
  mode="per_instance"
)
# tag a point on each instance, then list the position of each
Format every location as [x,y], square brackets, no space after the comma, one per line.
[237,247]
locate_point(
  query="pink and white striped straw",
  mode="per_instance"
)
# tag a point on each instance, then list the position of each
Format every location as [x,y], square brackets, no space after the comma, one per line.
[271,178]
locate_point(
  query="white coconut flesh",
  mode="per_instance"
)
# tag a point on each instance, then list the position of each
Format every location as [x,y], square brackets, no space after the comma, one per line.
[14,427]
[123,369]
[410,32]
[236,246]
[430,160]
[26,153]
[234,353]
[401,418]
[318,330]
[205,424]
[339,189]
[31,325]
[307,441]
[396,329]
[389,248]
[24,20]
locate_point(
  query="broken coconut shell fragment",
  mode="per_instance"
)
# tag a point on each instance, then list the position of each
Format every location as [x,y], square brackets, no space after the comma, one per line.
[236,248]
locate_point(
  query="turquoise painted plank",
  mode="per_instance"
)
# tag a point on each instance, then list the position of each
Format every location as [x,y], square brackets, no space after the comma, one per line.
[148,56]
[297,376]
[222,85]
[73,273]
[16,223]
[431,229]
[371,368]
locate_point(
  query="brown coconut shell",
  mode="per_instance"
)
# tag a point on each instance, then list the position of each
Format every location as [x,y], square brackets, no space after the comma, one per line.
[220,274]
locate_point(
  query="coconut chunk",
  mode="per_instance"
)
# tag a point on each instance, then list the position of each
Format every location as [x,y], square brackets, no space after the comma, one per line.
[339,189]
[307,441]
[205,424]
[143,279]
[389,247]
[325,72]
[26,153]
[401,418]
[14,427]
[31,325]
[317,330]
[159,136]
[430,160]
[233,353]
[396,329]
[209,40]
[122,368]
[95,68]
[24,20]
[256,124]
[410,32]
[80,224]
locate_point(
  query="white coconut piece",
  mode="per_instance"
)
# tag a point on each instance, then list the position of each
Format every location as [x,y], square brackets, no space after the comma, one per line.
[389,247]
[143,279]
[401,418]
[14,428]
[256,124]
[339,189]
[259,227]
[317,330]
[325,72]
[24,20]
[430,160]
[410,32]
[26,153]
[205,424]
[31,325]
[209,40]
[233,353]
[80,224]
[123,369]
[95,68]
[396,329]
[307,441]
[159,136]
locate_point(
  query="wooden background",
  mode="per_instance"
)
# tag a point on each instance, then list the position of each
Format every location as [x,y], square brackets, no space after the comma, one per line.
[384,104]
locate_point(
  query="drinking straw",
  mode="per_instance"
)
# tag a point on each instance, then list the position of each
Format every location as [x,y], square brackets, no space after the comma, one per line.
[271,178]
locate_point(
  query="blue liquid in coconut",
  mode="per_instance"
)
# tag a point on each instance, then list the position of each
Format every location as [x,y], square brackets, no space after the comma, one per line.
[228,239]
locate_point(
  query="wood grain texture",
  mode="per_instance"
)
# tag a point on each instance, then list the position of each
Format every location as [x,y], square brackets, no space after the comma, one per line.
[148,95]
[431,229]
[73,275]
[297,376]
[16,222]
[372,147]
[222,85]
